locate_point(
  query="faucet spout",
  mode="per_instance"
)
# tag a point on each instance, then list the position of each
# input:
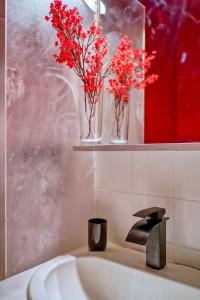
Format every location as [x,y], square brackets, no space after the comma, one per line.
[140,231]
[151,231]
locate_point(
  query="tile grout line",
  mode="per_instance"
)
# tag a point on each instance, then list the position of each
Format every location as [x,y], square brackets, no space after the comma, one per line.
[145,194]
[133,181]
[95,181]
[114,191]
[186,200]
[132,172]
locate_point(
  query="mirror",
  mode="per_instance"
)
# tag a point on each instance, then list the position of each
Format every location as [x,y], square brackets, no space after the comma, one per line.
[172,104]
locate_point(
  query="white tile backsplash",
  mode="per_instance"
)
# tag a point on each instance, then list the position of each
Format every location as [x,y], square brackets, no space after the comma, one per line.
[152,173]
[186,256]
[127,182]
[186,223]
[185,232]
[114,171]
[116,208]
[187,175]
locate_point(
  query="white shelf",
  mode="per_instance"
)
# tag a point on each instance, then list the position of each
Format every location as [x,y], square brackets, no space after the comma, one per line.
[140,147]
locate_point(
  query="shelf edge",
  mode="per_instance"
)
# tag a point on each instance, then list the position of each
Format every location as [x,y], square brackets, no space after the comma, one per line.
[140,147]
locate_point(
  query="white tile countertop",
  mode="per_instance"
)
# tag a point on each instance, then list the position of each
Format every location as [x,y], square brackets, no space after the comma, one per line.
[15,288]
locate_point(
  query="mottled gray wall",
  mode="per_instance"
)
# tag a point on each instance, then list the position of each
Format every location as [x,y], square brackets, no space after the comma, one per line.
[50,188]
[2,139]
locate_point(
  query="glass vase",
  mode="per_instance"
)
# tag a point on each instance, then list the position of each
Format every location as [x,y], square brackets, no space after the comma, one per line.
[120,110]
[90,113]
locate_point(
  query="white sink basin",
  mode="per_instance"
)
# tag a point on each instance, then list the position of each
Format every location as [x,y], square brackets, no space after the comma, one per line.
[98,278]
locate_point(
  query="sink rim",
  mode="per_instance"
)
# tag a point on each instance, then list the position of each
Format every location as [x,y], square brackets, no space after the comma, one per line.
[113,254]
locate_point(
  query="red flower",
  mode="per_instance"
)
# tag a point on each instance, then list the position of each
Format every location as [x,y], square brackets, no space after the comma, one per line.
[81,50]
[129,67]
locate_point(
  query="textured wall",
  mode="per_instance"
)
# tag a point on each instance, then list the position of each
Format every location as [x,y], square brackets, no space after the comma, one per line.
[50,188]
[2,139]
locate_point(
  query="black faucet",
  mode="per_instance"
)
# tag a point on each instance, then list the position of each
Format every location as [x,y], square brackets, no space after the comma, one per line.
[151,231]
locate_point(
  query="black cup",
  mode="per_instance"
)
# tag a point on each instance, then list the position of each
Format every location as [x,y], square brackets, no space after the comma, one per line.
[97,234]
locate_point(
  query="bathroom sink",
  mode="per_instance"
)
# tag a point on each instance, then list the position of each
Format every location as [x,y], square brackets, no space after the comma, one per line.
[99,278]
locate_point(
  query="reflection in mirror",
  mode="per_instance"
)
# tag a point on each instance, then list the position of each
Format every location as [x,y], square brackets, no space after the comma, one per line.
[125,17]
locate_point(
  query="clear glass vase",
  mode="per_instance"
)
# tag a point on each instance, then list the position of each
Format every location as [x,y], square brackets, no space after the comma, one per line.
[120,127]
[90,114]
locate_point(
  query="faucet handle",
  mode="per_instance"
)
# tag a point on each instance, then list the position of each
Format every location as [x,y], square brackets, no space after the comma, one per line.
[154,213]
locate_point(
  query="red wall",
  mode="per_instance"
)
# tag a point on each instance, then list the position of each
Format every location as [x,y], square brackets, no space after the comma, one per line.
[172,104]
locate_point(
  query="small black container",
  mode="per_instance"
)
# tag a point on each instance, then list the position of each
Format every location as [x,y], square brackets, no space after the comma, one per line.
[97,234]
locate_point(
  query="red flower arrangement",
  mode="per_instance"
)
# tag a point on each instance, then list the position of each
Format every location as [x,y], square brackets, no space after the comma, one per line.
[84,52]
[129,66]
[81,50]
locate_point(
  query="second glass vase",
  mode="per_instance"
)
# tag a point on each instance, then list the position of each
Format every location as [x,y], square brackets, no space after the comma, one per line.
[120,127]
